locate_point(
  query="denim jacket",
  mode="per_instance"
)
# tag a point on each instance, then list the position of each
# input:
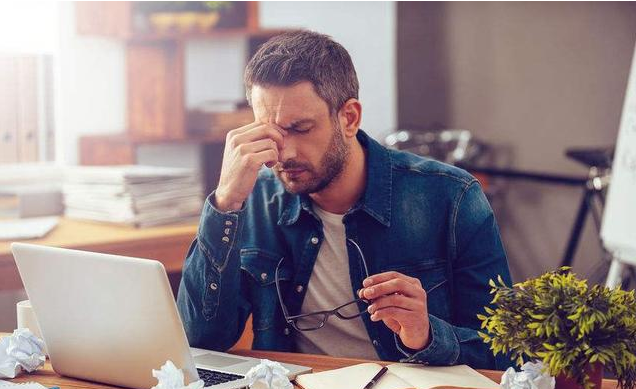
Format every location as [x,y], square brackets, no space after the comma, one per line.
[417,216]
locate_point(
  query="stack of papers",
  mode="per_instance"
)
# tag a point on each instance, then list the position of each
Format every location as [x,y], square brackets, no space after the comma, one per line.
[135,195]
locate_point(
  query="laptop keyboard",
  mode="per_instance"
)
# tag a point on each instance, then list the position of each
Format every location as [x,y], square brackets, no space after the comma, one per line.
[211,377]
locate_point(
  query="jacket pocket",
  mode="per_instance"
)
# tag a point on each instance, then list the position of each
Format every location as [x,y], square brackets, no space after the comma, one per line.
[260,267]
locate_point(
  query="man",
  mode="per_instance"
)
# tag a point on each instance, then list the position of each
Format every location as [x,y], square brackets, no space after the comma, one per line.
[335,217]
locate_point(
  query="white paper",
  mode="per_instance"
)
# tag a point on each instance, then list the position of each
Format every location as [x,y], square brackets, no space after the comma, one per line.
[169,377]
[530,377]
[20,351]
[22,385]
[268,375]
[30,228]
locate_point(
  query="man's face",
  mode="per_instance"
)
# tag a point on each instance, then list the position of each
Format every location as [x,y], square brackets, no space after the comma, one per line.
[315,150]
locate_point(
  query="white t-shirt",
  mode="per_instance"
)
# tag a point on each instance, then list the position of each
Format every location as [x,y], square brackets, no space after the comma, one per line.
[330,286]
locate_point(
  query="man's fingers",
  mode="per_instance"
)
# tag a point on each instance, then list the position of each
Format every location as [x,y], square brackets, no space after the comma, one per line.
[391,313]
[232,133]
[394,285]
[247,127]
[388,275]
[398,301]
[255,160]
[255,147]
[260,132]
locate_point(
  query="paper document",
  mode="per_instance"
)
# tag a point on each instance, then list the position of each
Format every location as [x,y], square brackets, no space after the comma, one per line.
[26,385]
[30,228]
[399,376]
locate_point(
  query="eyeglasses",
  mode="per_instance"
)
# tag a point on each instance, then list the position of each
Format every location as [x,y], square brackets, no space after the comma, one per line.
[316,320]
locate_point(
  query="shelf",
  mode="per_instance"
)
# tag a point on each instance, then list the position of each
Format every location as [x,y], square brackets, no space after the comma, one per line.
[176,36]
[155,78]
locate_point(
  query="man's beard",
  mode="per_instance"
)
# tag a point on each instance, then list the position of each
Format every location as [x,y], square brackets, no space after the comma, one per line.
[331,166]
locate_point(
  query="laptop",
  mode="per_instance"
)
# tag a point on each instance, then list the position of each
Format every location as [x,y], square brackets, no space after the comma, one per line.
[112,319]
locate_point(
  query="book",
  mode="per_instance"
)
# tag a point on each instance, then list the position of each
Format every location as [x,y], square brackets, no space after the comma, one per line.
[399,376]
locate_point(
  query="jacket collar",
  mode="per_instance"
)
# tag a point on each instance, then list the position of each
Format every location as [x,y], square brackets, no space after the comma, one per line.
[376,200]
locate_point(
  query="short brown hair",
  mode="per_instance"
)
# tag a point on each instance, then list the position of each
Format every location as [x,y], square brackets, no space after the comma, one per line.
[297,56]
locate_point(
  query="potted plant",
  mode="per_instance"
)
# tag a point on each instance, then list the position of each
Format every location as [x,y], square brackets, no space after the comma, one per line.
[575,330]
[183,16]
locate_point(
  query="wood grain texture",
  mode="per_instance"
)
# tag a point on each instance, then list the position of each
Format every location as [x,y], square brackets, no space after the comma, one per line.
[106,150]
[167,244]
[155,91]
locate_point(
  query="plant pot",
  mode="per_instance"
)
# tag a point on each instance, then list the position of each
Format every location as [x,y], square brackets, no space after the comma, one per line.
[163,22]
[187,21]
[207,20]
[595,372]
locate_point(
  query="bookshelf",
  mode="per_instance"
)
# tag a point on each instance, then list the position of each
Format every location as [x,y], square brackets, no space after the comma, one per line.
[156,82]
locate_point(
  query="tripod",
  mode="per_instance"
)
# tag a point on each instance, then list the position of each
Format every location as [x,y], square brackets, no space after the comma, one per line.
[599,161]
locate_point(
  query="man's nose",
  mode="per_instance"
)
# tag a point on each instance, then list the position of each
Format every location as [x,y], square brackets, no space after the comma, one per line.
[288,151]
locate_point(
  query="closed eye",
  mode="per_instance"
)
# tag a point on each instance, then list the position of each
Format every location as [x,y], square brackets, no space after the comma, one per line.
[301,126]
[301,130]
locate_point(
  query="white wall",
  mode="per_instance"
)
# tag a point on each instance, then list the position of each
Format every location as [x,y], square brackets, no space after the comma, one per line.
[214,70]
[368,31]
[90,87]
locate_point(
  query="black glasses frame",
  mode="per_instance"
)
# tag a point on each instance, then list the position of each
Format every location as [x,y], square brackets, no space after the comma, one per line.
[323,315]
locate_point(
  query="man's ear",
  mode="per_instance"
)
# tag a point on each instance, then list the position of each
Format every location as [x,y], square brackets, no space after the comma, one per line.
[350,116]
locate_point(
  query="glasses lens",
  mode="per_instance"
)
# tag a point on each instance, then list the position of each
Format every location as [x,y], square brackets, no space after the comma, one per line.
[351,310]
[310,322]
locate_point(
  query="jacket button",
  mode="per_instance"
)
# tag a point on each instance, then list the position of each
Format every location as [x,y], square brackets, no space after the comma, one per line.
[314,240]
[263,276]
[227,231]
[286,331]
[214,286]
[299,288]
[376,343]
[228,222]
[225,239]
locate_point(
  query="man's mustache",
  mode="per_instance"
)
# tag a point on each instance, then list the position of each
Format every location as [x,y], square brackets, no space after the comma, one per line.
[292,165]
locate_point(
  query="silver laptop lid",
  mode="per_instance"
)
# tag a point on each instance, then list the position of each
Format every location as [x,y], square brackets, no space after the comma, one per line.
[103,317]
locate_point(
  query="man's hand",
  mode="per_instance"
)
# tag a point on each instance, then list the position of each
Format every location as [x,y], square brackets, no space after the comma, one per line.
[400,302]
[246,150]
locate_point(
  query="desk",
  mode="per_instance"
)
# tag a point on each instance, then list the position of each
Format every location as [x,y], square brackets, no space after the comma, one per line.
[47,377]
[167,244]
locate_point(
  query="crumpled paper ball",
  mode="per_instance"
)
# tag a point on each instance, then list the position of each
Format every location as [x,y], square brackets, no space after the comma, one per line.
[530,377]
[169,377]
[268,375]
[20,351]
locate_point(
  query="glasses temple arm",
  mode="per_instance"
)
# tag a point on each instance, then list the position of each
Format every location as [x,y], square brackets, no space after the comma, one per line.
[280,296]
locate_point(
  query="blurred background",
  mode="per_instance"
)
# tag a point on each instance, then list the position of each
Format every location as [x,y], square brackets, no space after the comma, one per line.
[527,96]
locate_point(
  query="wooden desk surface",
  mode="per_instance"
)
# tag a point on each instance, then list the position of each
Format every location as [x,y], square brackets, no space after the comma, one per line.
[47,376]
[168,244]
